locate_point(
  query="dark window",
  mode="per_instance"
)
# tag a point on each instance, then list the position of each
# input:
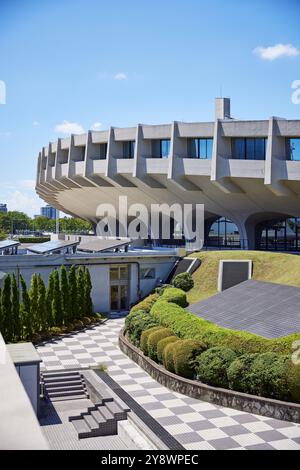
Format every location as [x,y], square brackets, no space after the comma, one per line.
[128,149]
[223,233]
[164,148]
[249,148]
[200,148]
[278,235]
[103,151]
[293,149]
[148,273]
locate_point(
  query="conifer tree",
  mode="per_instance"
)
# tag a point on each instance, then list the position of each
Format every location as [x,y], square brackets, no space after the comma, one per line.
[25,311]
[73,293]
[80,293]
[87,293]
[56,302]
[49,298]
[16,319]
[42,308]
[33,295]
[7,329]
[65,295]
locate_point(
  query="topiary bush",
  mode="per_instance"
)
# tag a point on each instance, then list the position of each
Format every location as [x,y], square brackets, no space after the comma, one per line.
[183,281]
[136,322]
[212,365]
[174,295]
[153,340]
[269,376]
[146,303]
[294,381]
[162,344]
[184,354]
[144,338]
[239,373]
[168,356]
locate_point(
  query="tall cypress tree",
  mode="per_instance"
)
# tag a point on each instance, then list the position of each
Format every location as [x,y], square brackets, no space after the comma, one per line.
[33,295]
[25,311]
[65,295]
[73,293]
[80,293]
[42,309]
[49,298]
[15,299]
[7,325]
[87,293]
[56,302]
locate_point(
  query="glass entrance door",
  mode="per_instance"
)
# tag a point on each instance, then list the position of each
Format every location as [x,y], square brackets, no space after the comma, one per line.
[119,288]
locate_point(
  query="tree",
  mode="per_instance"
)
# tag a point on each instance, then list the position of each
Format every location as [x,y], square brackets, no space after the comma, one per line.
[25,311]
[7,327]
[65,295]
[56,302]
[73,292]
[80,293]
[49,298]
[33,295]
[87,293]
[41,303]
[15,300]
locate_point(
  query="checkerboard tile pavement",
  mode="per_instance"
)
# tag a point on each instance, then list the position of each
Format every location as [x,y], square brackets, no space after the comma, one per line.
[194,423]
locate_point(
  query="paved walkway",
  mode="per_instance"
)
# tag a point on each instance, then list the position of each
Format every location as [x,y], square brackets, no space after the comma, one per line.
[194,423]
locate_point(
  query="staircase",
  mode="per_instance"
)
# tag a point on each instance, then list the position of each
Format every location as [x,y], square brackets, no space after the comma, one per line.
[65,385]
[100,419]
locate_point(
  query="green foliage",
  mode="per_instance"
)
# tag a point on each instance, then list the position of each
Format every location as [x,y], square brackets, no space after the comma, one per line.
[239,373]
[3,235]
[88,293]
[136,322]
[144,338]
[33,296]
[73,292]
[154,339]
[168,356]
[174,295]
[49,299]
[65,295]
[7,328]
[56,301]
[33,239]
[16,320]
[145,304]
[183,281]
[25,311]
[212,365]
[41,304]
[162,344]
[80,293]
[184,353]
[293,377]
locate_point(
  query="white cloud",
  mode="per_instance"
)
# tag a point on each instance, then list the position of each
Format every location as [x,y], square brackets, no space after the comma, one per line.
[67,127]
[96,126]
[120,76]
[35,123]
[277,51]
[27,184]
[23,202]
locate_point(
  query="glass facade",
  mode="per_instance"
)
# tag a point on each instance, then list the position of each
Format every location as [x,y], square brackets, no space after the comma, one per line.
[279,235]
[293,149]
[200,148]
[248,148]
[223,233]
[128,149]
[164,148]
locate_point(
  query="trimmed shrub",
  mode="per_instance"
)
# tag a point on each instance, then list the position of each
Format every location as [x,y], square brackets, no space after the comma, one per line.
[183,281]
[168,356]
[294,382]
[86,320]
[212,366]
[162,344]
[174,295]
[55,331]
[185,352]
[144,338]
[145,304]
[78,325]
[269,376]
[154,339]
[136,322]
[239,373]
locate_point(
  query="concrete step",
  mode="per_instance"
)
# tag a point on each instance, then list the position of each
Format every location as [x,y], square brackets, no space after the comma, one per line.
[62,373]
[77,391]
[82,428]
[107,415]
[98,417]
[91,422]
[78,396]
[64,378]
[118,413]
[65,388]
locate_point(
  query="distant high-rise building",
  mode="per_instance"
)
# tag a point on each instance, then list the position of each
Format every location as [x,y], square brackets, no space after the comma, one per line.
[48,211]
[3,208]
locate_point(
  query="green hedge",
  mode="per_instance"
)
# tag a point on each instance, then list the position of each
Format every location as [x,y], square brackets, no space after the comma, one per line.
[136,322]
[145,304]
[153,340]
[174,295]
[33,239]
[168,356]
[144,338]
[185,352]
[186,325]
[239,373]
[162,344]
[212,366]
[183,281]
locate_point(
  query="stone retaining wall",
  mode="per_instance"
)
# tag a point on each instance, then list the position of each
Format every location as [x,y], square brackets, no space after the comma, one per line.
[228,398]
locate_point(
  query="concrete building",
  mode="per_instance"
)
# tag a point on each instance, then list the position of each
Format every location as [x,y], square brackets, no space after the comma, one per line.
[246,173]
[3,208]
[48,211]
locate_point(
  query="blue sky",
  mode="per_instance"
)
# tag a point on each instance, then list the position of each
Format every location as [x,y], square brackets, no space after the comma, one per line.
[73,64]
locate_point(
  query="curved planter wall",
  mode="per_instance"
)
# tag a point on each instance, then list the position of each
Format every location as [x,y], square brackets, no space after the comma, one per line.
[241,401]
